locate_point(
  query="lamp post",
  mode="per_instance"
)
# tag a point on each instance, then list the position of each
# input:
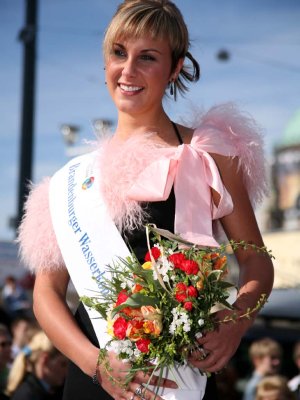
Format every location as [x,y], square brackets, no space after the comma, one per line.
[27,36]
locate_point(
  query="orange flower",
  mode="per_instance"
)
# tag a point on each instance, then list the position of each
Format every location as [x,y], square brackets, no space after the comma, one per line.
[132,312]
[220,262]
[137,288]
[152,327]
[151,314]
[135,329]
[200,285]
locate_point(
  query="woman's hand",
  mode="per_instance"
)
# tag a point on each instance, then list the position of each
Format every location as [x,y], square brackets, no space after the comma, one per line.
[112,374]
[218,346]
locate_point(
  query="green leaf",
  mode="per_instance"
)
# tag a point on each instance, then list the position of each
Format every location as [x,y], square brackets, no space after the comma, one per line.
[136,301]
[215,275]
[225,285]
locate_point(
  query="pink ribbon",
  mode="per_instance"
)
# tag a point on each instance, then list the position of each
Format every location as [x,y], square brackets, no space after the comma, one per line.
[193,172]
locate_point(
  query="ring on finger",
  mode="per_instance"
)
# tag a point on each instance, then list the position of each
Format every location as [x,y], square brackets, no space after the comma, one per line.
[203,354]
[139,391]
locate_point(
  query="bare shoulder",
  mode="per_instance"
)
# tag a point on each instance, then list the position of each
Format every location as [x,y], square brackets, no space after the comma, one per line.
[186,133]
[227,165]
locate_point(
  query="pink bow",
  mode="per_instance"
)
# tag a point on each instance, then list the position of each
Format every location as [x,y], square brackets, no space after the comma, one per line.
[193,173]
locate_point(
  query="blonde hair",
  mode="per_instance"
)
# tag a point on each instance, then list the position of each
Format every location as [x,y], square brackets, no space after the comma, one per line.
[160,19]
[274,388]
[264,347]
[25,361]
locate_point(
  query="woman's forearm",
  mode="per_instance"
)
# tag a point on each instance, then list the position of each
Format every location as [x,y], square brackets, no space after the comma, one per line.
[255,280]
[57,321]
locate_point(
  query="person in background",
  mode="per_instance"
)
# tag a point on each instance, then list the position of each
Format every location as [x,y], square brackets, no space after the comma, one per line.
[5,356]
[294,383]
[15,299]
[22,329]
[38,372]
[265,355]
[274,388]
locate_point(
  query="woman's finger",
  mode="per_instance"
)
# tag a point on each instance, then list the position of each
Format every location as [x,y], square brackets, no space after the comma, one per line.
[140,392]
[155,380]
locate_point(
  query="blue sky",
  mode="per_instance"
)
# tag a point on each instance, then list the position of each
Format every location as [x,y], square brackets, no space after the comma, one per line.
[262,75]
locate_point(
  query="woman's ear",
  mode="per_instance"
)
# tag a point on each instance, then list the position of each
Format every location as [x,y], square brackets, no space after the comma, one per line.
[179,66]
[177,70]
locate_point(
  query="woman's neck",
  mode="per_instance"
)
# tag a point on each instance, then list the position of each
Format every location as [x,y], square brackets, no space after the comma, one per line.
[159,123]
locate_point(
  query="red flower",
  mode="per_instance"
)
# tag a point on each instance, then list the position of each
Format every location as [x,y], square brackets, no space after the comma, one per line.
[177,259]
[143,345]
[122,297]
[192,291]
[180,292]
[181,297]
[181,287]
[120,327]
[155,254]
[188,305]
[190,267]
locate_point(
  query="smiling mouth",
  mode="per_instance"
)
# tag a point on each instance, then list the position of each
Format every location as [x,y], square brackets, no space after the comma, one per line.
[130,88]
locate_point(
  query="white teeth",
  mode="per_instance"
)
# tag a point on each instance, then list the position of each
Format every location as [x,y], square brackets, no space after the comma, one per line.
[130,88]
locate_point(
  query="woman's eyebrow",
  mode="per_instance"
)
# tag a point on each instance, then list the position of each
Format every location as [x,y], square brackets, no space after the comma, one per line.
[142,51]
[155,50]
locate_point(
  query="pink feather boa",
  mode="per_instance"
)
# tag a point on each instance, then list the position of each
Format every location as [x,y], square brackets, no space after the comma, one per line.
[121,164]
[245,135]
[38,245]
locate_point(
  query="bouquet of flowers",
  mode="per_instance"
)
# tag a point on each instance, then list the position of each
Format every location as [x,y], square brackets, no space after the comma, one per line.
[156,310]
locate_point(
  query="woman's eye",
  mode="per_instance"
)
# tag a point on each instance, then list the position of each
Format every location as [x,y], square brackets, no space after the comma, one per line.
[147,57]
[119,53]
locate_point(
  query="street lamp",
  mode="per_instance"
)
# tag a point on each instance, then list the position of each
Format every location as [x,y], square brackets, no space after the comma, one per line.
[70,133]
[102,126]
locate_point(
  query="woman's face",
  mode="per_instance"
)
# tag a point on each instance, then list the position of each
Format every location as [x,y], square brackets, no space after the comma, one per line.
[137,74]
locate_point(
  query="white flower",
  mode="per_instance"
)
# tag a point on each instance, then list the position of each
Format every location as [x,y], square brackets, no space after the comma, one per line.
[198,335]
[136,352]
[180,318]
[201,322]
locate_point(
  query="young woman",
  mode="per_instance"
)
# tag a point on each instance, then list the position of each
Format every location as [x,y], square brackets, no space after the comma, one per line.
[38,371]
[152,170]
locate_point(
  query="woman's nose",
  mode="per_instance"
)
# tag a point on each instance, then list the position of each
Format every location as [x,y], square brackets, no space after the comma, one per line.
[129,68]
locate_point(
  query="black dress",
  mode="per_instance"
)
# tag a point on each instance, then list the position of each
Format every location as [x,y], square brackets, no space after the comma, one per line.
[79,386]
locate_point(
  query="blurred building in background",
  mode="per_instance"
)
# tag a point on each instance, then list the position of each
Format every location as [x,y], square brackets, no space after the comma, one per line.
[282,215]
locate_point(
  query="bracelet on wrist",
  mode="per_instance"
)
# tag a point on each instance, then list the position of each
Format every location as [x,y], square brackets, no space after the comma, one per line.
[95,376]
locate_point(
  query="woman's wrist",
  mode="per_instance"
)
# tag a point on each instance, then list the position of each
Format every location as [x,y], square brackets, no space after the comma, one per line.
[90,362]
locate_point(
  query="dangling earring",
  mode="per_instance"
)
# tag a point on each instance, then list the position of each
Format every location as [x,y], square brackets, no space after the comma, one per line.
[171,83]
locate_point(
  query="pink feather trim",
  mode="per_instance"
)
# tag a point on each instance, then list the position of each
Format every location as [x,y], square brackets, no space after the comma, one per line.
[245,136]
[38,245]
[120,164]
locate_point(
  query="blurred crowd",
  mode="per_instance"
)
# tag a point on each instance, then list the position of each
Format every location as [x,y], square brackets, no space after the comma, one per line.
[32,368]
